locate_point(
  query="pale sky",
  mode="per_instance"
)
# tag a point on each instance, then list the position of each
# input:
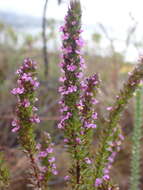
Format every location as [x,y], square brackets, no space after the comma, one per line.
[112,13]
[108,11]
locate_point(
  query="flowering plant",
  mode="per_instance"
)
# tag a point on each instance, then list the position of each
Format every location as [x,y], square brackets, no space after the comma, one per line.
[40,155]
[78,96]
[79,119]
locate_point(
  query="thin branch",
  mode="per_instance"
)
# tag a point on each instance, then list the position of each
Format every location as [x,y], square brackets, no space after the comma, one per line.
[45,56]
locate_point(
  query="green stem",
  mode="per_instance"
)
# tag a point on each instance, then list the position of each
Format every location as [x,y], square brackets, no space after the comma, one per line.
[136,146]
[114,116]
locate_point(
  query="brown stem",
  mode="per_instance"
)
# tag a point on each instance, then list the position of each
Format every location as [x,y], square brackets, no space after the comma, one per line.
[78,172]
[35,170]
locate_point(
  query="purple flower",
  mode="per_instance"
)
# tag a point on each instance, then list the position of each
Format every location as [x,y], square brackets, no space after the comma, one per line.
[26,103]
[98,182]
[106,171]
[87,160]
[94,101]
[80,42]
[52,159]
[94,115]
[49,150]
[79,75]
[78,140]
[43,154]
[16,91]
[15,129]
[34,108]
[14,122]
[106,177]
[109,108]
[55,172]
[35,119]
[66,140]
[65,36]
[62,79]
[71,67]
[121,136]
[91,125]
[66,178]
[74,22]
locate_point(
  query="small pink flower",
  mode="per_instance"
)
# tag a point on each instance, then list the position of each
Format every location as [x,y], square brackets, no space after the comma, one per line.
[78,140]
[94,115]
[80,42]
[87,160]
[35,119]
[66,140]
[111,159]
[78,52]
[95,101]
[19,71]
[121,136]
[91,125]
[106,177]
[66,178]
[52,159]
[109,108]
[62,79]
[71,67]
[129,73]
[34,108]
[65,36]
[15,129]
[55,172]
[98,182]
[49,150]
[73,22]
[106,171]
[26,103]
[14,122]
[43,154]
[61,28]
[60,125]
[17,91]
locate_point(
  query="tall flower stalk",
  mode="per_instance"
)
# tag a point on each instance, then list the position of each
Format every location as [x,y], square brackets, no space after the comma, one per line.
[76,100]
[46,160]
[105,152]
[70,90]
[136,139]
[26,117]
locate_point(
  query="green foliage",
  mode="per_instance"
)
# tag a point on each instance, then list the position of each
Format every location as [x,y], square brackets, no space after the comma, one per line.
[108,132]
[78,152]
[136,142]
[4,173]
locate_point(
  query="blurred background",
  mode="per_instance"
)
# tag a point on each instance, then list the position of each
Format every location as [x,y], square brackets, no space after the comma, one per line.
[113,34]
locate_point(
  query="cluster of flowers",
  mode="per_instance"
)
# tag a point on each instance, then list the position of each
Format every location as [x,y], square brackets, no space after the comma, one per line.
[105,153]
[45,158]
[41,156]
[72,66]
[78,114]
[87,102]
[27,84]
[113,148]
[77,96]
